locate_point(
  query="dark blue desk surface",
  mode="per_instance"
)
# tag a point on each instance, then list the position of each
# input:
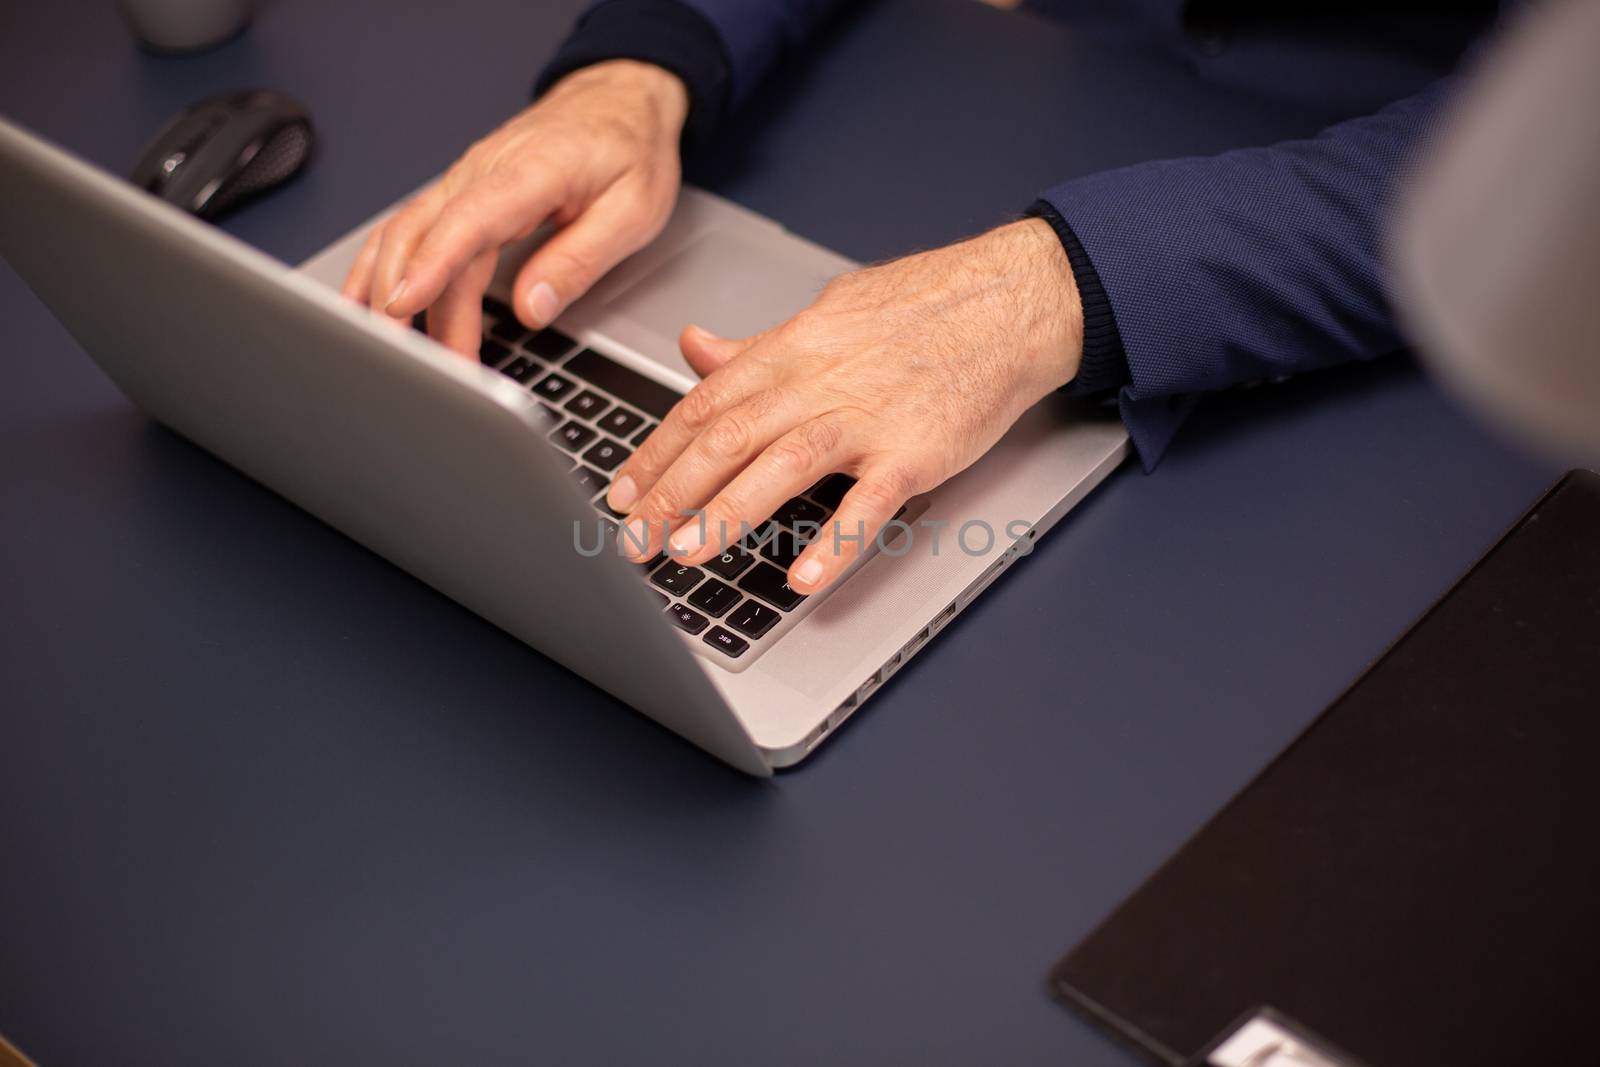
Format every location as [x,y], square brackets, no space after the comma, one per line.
[265,799]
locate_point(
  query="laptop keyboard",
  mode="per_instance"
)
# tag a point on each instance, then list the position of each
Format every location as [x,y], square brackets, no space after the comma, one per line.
[598,412]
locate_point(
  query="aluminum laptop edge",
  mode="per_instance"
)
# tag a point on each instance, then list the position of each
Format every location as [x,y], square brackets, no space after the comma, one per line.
[441,466]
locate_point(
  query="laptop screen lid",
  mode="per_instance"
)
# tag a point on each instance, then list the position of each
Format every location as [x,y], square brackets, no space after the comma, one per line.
[435,463]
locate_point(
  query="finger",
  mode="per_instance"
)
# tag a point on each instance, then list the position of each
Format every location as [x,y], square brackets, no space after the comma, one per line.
[455,320]
[709,462]
[687,420]
[487,214]
[861,517]
[565,267]
[400,237]
[785,468]
[704,351]
[358,281]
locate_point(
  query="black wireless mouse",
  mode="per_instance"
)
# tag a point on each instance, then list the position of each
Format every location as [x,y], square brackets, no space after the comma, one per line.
[225,150]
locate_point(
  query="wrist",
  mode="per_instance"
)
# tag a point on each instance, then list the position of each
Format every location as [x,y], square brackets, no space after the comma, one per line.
[655,87]
[1052,319]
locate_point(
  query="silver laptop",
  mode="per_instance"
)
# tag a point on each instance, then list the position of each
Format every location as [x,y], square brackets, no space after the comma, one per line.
[487,482]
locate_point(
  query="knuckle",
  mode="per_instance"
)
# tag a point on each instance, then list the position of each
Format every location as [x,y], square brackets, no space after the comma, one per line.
[664,502]
[573,263]
[407,220]
[791,456]
[722,520]
[499,175]
[463,224]
[903,481]
[795,329]
[698,407]
[640,223]
[822,436]
[728,435]
[765,402]
[887,489]
[642,466]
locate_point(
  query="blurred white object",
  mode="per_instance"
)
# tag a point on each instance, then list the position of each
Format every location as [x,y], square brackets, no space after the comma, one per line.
[186,25]
[1498,243]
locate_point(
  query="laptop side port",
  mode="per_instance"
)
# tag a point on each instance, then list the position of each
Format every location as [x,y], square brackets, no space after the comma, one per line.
[916,643]
[892,665]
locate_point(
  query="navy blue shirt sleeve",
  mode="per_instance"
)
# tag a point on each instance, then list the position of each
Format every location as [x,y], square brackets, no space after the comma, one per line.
[1247,266]
[760,34]
[721,49]
[668,33]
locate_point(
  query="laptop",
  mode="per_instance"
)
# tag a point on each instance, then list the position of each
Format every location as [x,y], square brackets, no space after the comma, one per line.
[488,481]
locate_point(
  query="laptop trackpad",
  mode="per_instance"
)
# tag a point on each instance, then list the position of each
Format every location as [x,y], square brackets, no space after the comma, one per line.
[734,284]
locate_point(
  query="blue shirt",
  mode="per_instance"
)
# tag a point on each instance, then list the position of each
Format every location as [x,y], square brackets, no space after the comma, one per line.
[1195,274]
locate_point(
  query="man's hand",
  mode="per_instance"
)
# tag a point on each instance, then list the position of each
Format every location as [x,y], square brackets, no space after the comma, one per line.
[900,375]
[597,155]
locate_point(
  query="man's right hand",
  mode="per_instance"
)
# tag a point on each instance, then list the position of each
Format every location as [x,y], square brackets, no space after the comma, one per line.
[597,155]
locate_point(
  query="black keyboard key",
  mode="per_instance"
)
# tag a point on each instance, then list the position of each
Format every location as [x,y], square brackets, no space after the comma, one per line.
[508,330]
[522,369]
[630,386]
[800,510]
[771,585]
[650,564]
[687,618]
[676,578]
[549,345]
[753,619]
[759,537]
[496,309]
[587,404]
[831,490]
[590,480]
[643,435]
[545,419]
[491,352]
[659,595]
[731,645]
[609,510]
[714,598]
[551,386]
[784,548]
[573,436]
[607,454]
[732,563]
[621,422]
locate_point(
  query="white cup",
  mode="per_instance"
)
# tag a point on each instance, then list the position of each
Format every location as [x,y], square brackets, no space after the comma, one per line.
[186,25]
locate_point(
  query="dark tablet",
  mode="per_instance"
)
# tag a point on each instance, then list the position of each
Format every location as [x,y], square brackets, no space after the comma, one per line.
[1417,878]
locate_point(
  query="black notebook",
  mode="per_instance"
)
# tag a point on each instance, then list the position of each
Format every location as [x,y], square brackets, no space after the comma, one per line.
[1416,879]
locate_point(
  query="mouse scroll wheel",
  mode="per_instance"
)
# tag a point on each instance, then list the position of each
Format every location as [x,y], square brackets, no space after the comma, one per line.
[180,153]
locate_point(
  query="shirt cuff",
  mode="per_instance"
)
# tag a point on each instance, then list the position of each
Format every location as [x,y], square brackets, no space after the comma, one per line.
[668,33]
[1104,370]
[1103,367]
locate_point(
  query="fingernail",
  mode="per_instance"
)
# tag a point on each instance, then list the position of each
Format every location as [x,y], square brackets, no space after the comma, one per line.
[623,493]
[543,304]
[634,539]
[397,293]
[689,538]
[809,572]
